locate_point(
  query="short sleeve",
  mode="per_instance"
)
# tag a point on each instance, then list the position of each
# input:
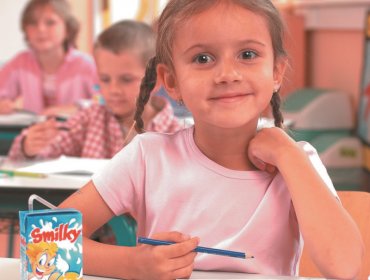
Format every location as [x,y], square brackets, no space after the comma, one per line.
[318,165]
[120,182]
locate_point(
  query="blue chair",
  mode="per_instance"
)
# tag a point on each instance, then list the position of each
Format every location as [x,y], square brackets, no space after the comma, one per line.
[124,229]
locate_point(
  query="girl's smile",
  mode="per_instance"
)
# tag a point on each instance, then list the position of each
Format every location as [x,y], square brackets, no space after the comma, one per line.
[231,97]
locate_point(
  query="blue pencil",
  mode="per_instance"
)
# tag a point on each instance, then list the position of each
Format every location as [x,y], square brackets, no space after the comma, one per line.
[198,249]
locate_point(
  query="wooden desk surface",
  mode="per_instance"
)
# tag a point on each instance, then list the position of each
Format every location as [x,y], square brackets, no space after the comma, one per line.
[10,269]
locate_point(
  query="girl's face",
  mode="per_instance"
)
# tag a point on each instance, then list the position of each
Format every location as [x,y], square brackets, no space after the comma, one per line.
[47,31]
[120,77]
[224,66]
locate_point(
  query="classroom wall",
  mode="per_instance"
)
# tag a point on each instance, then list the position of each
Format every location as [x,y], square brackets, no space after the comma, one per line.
[295,44]
[335,44]
[84,11]
[12,37]
[336,60]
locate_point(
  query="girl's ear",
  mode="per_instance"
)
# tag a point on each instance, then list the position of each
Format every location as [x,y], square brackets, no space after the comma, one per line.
[166,77]
[279,71]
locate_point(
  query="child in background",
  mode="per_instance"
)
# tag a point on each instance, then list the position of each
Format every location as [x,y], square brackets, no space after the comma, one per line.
[220,183]
[121,53]
[51,77]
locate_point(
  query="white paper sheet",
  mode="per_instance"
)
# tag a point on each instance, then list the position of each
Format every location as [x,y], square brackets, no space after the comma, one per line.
[67,166]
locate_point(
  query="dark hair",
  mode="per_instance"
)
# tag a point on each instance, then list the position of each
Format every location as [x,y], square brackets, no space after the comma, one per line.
[60,7]
[176,12]
[128,35]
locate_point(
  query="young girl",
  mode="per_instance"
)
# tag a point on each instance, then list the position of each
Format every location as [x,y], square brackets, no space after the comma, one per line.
[121,53]
[51,77]
[220,183]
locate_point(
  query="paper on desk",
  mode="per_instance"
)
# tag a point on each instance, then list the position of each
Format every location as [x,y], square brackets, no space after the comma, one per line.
[19,118]
[67,166]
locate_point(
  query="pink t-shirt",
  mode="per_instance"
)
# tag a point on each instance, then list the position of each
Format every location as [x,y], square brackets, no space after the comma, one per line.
[22,76]
[167,184]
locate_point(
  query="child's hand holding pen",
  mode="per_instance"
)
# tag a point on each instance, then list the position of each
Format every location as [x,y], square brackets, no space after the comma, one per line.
[167,261]
[40,135]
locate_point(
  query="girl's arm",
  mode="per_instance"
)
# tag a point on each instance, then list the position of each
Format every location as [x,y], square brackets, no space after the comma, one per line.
[141,262]
[331,236]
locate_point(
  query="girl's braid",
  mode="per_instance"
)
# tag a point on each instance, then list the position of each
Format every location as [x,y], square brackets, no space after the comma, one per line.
[275,104]
[146,87]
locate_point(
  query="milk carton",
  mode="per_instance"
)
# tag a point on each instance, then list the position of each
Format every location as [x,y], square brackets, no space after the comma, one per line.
[51,244]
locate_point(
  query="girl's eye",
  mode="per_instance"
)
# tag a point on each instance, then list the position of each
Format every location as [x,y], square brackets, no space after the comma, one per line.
[49,22]
[32,22]
[51,262]
[202,59]
[43,259]
[127,80]
[104,80]
[248,55]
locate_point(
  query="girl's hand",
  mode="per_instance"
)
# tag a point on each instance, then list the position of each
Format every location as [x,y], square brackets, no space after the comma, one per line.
[167,261]
[7,106]
[268,146]
[39,136]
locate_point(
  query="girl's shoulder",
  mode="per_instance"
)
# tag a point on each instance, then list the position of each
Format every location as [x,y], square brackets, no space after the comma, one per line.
[316,162]
[22,58]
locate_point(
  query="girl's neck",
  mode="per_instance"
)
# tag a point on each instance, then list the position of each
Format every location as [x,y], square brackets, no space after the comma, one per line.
[51,61]
[226,147]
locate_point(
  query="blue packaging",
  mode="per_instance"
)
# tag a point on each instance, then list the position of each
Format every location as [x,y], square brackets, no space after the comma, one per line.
[51,244]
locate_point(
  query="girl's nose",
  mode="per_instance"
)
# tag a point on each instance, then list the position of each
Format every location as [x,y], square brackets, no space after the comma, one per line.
[40,26]
[227,72]
[114,87]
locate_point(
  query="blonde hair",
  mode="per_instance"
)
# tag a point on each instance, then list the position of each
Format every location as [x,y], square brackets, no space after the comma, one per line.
[60,7]
[33,249]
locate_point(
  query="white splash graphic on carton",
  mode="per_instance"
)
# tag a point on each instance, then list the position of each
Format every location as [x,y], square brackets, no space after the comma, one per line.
[67,245]
[80,249]
[62,265]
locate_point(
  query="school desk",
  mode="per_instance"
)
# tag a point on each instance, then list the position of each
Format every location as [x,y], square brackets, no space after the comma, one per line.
[15,191]
[11,125]
[10,269]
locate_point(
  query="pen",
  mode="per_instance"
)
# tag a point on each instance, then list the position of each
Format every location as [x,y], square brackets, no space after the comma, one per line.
[13,173]
[198,249]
